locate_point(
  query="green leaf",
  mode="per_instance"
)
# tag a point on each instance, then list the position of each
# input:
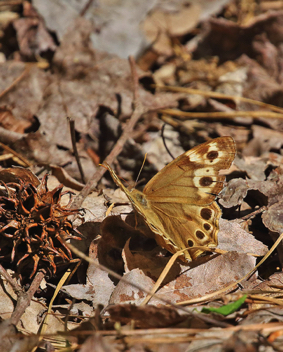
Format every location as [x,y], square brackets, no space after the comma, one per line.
[228,309]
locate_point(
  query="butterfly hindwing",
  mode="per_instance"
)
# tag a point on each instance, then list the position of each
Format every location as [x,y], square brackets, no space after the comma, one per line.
[188,226]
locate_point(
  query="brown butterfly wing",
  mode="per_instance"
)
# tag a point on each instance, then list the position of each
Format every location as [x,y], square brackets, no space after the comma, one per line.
[193,177]
[181,197]
[181,226]
[178,203]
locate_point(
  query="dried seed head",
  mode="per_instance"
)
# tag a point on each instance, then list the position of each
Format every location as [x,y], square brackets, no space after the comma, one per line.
[34,226]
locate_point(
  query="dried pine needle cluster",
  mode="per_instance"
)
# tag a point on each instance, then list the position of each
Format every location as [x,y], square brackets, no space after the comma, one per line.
[33,226]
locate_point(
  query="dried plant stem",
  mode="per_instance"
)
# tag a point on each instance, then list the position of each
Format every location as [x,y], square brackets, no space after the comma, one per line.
[271,5]
[161,278]
[220,96]
[184,115]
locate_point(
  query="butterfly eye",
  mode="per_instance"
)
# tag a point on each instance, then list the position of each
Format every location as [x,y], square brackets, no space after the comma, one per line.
[140,198]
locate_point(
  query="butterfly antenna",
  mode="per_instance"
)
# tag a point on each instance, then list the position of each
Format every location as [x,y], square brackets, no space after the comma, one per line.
[144,159]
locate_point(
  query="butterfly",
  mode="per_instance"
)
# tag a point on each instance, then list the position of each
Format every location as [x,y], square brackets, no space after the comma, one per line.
[178,203]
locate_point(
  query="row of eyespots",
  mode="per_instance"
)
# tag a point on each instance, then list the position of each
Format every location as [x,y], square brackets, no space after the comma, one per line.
[206,214]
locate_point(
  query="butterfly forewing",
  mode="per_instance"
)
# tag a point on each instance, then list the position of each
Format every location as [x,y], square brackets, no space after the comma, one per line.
[193,177]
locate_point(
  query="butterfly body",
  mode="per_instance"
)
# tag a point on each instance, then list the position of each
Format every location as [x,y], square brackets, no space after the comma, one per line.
[178,203]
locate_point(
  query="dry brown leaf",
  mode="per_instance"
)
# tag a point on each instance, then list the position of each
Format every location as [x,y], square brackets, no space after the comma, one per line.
[125,293]
[97,290]
[9,122]
[32,35]
[97,342]
[232,237]
[264,140]
[64,178]
[149,262]
[206,276]
[234,193]
[17,174]
[264,316]
[160,25]
[273,217]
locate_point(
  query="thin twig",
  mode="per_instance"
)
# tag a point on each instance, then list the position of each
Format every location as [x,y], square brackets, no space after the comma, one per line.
[179,125]
[74,144]
[24,298]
